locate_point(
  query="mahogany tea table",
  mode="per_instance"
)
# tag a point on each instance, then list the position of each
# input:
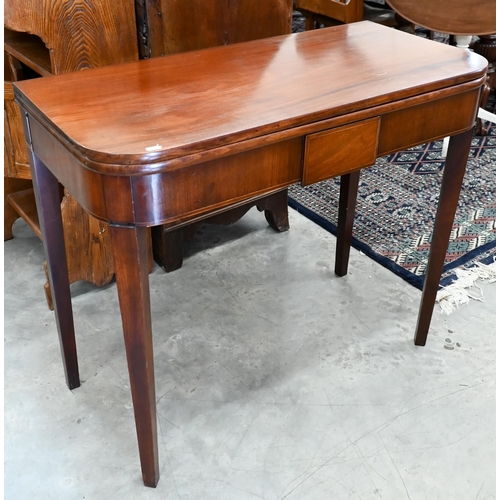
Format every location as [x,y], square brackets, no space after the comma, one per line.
[176,139]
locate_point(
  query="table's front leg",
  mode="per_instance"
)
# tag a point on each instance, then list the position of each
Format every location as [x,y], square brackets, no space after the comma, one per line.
[130,254]
[451,184]
[46,189]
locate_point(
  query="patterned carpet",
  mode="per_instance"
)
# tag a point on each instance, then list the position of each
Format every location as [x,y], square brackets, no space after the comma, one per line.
[397,202]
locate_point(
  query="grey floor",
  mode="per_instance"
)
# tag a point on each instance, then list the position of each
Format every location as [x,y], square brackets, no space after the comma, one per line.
[274,379]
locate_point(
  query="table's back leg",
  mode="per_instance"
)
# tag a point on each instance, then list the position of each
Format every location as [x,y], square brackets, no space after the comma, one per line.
[456,162]
[275,208]
[347,205]
[46,189]
[130,252]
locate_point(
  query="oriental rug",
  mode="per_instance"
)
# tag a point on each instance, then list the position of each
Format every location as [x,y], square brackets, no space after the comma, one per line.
[396,204]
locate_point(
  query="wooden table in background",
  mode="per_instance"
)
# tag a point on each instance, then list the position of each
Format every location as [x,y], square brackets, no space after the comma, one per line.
[170,140]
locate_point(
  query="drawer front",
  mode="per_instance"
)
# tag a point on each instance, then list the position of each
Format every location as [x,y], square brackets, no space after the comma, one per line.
[340,150]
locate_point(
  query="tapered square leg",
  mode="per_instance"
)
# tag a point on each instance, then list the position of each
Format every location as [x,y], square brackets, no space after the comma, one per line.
[130,252]
[456,162]
[347,204]
[47,198]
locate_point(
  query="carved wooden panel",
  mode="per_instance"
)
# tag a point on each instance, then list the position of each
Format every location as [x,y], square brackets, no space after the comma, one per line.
[15,153]
[80,34]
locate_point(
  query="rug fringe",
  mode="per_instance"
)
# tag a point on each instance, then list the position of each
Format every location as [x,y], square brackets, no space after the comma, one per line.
[460,291]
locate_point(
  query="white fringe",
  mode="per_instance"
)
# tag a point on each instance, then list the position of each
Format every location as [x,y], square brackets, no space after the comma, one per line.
[459,292]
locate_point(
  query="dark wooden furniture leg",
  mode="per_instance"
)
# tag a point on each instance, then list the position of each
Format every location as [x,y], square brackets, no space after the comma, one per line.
[275,209]
[168,244]
[456,162]
[347,204]
[130,252]
[310,23]
[49,215]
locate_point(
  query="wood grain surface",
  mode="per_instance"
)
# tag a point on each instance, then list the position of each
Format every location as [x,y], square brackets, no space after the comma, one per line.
[15,153]
[80,34]
[178,104]
[188,26]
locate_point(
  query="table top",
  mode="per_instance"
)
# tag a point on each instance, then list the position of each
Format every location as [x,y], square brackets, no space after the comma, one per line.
[158,109]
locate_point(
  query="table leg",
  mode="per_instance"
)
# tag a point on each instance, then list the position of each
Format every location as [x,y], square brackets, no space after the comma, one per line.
[275,208]
[347,204]
[130,252]
[309,21]
[49,215]
[456,162]
[168,244]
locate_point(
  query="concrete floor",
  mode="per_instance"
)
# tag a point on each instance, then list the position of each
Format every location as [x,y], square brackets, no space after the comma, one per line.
[274,379]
